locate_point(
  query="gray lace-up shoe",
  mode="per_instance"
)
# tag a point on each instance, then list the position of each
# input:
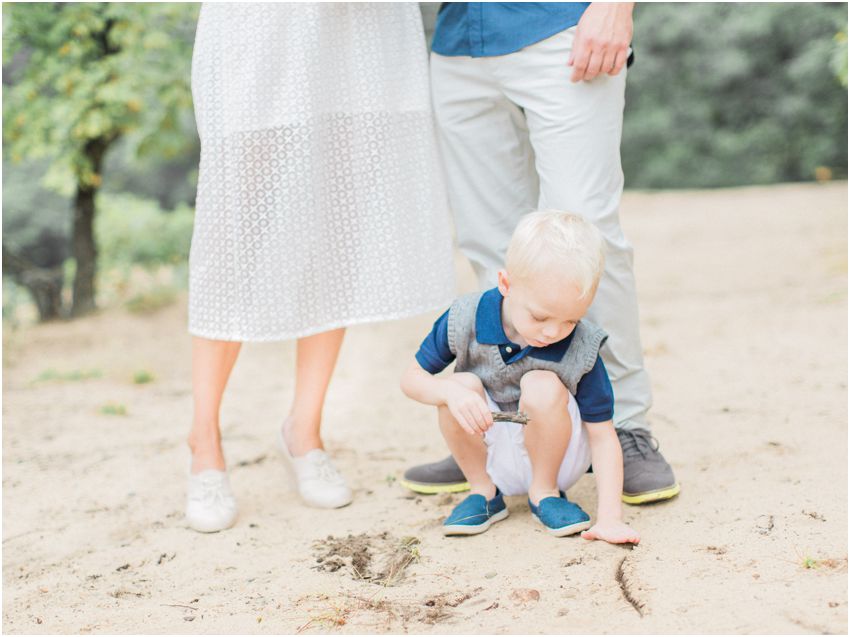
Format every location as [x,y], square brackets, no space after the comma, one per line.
[646,475]
[435,477]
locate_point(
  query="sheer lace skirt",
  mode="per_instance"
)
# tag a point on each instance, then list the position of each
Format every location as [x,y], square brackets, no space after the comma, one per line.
[320,200]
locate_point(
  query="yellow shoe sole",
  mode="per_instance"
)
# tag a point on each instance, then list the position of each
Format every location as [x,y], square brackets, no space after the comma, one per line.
[431,489]
[652,496]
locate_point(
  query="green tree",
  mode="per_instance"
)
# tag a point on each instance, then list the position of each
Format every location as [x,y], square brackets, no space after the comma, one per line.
[729,94]
[83,76]
[839,59]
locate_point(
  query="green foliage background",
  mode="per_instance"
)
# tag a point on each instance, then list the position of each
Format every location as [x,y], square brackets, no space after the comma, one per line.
[135,231]
[732,94]
[82,72]
[720,95]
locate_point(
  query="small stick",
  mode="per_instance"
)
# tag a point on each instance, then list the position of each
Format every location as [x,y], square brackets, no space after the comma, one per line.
[506,416]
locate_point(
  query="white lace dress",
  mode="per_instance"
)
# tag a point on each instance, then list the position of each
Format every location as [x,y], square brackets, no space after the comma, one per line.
[320,200]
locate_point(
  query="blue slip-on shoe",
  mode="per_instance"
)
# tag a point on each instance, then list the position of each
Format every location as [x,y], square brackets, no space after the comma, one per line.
[475,515]
[560,516]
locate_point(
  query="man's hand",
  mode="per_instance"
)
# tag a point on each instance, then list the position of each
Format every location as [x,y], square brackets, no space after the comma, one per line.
[602,40]
[613,531]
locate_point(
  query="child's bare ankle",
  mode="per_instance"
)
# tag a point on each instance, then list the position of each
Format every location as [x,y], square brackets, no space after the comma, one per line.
[537,494]
[487,490]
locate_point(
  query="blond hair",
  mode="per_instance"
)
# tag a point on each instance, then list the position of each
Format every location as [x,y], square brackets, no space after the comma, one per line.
[554,241]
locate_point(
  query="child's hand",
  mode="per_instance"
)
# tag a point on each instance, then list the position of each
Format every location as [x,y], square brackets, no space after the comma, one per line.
[612,531]
[469,409]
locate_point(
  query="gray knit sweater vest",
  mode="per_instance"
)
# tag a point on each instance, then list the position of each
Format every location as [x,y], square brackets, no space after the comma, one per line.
[502,380]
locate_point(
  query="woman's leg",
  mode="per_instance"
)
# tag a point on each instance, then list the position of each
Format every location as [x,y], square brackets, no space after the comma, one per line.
[314,365]
[212,362]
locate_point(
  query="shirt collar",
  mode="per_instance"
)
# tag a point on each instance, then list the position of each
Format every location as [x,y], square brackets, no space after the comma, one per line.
[489,330]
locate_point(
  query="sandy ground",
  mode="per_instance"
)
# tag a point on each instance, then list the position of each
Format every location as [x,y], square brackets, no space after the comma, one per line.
[744,316]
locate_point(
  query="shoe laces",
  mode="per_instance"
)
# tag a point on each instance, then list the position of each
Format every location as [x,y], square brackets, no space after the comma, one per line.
[637,442]
[210,491]
[326,471]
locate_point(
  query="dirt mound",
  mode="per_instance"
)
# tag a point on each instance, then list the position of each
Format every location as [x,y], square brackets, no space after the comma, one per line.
[381,559]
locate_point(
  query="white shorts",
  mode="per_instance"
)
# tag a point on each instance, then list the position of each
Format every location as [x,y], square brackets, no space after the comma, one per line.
[508,463]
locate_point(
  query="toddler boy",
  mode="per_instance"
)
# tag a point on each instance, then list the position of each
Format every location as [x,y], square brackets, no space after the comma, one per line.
[523,345]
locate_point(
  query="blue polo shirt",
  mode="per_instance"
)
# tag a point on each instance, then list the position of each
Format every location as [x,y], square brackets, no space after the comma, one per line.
[483,29]
[594,394]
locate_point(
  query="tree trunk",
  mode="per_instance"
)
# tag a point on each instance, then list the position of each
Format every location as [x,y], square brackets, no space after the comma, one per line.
[44,284]
[83,245]
[46,290]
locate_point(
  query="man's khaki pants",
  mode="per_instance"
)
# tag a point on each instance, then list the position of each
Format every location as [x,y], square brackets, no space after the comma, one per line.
[516,135]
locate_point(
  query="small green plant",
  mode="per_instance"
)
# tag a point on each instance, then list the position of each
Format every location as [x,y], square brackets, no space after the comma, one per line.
[73,375]
[113,409]
[389,479]
[142,377]
[828,563]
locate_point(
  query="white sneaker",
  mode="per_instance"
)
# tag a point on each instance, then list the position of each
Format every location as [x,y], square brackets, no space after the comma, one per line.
[320,484]
[210,505]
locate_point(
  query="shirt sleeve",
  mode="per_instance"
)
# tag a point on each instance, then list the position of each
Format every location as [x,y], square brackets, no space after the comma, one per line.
[434,354]
[594,394]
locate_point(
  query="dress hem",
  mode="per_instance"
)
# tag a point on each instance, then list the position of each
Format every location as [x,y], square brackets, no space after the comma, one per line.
[323,328]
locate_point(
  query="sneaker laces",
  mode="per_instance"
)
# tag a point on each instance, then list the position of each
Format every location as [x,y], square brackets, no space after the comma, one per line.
[637,442]
[327,471]
[210,491]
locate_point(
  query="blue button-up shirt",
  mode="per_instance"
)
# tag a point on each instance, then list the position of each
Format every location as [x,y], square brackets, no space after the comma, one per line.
[594,394]
[483,29]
